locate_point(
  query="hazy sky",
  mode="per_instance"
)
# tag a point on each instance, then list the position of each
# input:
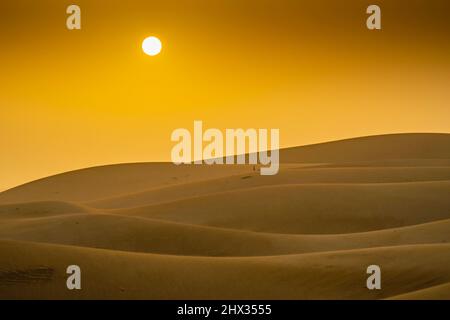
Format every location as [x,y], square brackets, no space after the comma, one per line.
[74,99]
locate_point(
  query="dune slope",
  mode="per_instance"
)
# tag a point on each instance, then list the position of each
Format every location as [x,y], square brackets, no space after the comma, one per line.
[137,234]
[38,270]
[289,174]
[304,208]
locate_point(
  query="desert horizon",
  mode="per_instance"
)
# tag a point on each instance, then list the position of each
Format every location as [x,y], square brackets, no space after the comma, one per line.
[226,232]
[285,148]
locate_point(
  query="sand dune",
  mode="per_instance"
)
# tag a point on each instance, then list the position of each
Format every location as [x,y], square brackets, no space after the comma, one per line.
[156,230]
[291,174]
[39,209]
[136,234]
[434,293]
[303,208]
[116,180]
[328,275]
[387,163]
[107,181]
[373,148]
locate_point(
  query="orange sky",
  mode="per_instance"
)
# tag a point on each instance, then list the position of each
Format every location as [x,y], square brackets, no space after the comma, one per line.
[74,99]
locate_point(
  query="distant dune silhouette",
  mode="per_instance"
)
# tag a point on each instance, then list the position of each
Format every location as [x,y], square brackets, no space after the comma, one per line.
[160,231]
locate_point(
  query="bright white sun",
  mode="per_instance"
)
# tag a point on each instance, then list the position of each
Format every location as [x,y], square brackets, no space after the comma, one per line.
[151,46]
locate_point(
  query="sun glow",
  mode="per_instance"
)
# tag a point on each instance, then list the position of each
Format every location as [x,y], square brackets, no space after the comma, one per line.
[151,46]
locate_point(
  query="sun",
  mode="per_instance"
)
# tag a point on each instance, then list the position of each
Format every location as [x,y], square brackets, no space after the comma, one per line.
[151,46]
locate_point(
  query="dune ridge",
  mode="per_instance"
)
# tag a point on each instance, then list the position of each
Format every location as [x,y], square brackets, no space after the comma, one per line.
[160,231]
[300,209]
[287,175]
[136,234]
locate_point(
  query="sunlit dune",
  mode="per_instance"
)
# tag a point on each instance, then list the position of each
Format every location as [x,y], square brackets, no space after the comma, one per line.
[219,232]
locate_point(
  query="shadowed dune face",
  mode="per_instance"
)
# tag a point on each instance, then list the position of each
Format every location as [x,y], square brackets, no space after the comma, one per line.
[433,293]
[303,208]
[329,275]
[128,233]
[162,231]
[288,175]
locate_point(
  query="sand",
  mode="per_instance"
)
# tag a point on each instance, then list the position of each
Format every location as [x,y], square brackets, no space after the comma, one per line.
[160,231]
